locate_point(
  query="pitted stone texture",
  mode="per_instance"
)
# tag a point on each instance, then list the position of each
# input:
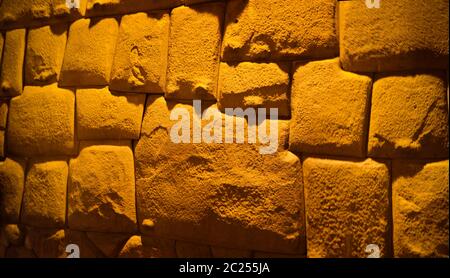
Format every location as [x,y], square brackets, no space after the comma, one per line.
[24,13]
[347,207]
[218,194]
[3,113]
[192,250]
[255,85]
[89,53]
[41,122]
[140,60]
[45,54]
[105,115]
[420,208]
[409,116]
[101,188]
[194,43]
[148,247]
[400,35]
[109,244]
[268,29]
[11,78]
[112,7]
[44,200]
[11,189]
[329,109]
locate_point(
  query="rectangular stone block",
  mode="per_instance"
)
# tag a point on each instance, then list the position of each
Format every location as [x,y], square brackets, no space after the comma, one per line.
[12,63]
[105,115]
[399,35]
[409,116]
[329,109]
[44,199]
[223,194]
[220,252]
[42,122]
[3,113]
[12,173]
[347,208]
[112,7]
[420,208]
[140,60]
[279,29]
[25,13]
[44,54]
[192,250]
[89,52]
[101,188]
[254,85]
[193,63]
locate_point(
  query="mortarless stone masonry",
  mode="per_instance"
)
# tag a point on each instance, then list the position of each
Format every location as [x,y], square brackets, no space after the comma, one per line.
[86,156]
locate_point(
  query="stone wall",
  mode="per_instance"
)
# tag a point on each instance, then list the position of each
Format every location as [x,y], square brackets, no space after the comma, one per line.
[86,96]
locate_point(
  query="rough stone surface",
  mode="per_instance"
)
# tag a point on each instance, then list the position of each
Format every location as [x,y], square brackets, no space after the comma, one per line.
[109,244]
[41,122]
[420,208]
[219,194]
[20,13]
[266,255]
[147,247]
[44,54]
[12,234]
[293,29]
[101,188]
[254,85]
[192,250]
[140,60]
[11,189]
[347,207]
[11,78]
[220,252]
[44,200]
[409,116]
[3,113]
[194,45]
[105,115]
[111,7]
[400,35]
[329,109]
[2,41]
[89,52]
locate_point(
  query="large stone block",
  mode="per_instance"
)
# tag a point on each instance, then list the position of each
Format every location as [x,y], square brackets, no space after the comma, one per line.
[409,116]
[101,188]
[420,208]
[400,35]
[111,7]
[193,63]
[24,13]
[140,60]
[11,79]
[109,244]
[347,207]
[268,29]
[330,109]
[105,115]
[192,250]
[89,52]
[44,54]
[2,143]
[41,122]
[11,189]
[44,199]
[219,194]
[254,85]
[2,41]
